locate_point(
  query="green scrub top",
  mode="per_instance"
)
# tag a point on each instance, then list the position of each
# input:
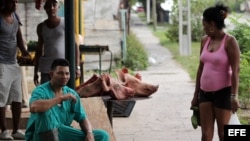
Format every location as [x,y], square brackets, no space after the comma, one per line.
[58,115]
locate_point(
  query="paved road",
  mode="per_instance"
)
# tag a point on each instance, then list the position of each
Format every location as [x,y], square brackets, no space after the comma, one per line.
[165,116]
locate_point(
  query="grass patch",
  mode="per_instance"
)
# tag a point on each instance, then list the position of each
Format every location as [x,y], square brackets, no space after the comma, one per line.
[136,57]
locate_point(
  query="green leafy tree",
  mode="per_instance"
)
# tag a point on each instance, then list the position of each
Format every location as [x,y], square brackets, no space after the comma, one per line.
[197,8]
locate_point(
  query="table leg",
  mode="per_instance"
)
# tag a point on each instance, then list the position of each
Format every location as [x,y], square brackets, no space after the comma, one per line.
[100,62]
[110,111]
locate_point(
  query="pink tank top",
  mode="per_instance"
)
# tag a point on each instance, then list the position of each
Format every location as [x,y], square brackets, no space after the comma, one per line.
[217,71]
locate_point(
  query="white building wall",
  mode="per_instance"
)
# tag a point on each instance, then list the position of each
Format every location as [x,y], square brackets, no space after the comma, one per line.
[30,18]
[100,26]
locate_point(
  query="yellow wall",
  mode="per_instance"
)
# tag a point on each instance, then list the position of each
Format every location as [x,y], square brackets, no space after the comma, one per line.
[79,26]
[79,16]
[76,15]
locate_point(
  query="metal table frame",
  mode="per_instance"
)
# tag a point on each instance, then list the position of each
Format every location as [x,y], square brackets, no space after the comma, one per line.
[95,49]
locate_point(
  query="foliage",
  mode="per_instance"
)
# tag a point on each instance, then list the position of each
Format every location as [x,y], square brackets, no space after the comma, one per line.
[197,8]
[234,5]
[241,32]
[244,86]
[137,58]
[132,2]
[32,44]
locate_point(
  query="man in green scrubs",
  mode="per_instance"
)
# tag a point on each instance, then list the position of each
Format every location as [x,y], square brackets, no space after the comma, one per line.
[54,106]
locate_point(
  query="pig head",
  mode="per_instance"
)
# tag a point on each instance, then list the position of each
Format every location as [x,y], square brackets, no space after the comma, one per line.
[92,87]
[142,89]
[115,89]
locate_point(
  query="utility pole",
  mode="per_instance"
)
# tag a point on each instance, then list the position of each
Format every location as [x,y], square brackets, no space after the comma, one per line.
[148,11]
[184,27]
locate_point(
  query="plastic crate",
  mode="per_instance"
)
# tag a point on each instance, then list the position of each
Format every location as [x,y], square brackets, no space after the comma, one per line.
[121,108]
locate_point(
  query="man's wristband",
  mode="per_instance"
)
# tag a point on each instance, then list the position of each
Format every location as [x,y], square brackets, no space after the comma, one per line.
[78,67]
[89,132]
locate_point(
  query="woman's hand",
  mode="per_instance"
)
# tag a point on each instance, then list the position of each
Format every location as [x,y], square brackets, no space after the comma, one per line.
[235,104]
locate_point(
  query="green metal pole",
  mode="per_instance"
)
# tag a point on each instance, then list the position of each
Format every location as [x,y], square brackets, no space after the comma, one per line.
[124,43]
[70,40]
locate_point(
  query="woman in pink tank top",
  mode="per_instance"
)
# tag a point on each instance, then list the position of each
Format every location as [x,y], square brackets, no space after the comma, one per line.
[217,79]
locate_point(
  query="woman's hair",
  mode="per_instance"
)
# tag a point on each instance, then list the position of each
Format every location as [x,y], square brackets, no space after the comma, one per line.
[2,3]
[217,14]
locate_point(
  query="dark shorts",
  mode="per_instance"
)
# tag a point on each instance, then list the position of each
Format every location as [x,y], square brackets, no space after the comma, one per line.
[220,98]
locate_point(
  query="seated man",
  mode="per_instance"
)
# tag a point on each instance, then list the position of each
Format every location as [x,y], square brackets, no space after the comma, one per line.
[54,106]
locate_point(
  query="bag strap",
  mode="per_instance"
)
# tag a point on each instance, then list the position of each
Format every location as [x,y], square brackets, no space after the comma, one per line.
[18,19]
[16,16]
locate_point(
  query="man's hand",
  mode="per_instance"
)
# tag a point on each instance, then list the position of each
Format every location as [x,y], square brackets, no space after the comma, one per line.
[26,54]
[78,73]
[35,79]
[68,96]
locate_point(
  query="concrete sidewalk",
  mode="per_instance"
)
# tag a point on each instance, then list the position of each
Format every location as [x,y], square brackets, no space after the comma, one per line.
[165,116]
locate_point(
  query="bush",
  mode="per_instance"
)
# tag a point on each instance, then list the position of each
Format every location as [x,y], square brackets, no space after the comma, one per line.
[242,33]
[244,86]
[172,33]
[137,57]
